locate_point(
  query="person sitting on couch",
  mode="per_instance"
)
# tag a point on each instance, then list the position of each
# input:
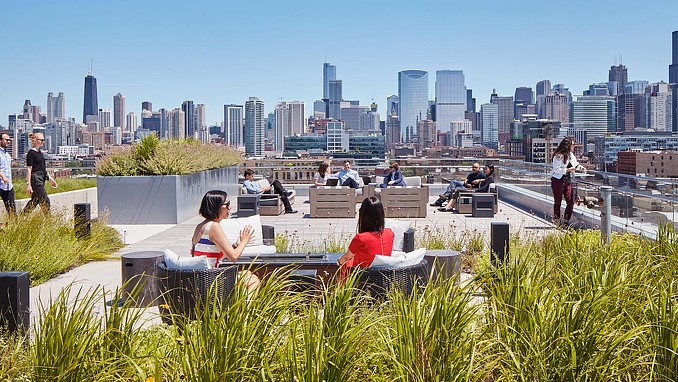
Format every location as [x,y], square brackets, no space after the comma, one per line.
[348,177]
[372,238]
[320,177]
[394,177]
[455,184]
[275,187]
[483,186]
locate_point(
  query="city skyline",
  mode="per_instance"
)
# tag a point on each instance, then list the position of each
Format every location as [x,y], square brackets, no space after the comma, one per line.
[260,62]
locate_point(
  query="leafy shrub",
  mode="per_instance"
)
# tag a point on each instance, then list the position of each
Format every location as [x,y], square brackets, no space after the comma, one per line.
[65,185]
[166,157]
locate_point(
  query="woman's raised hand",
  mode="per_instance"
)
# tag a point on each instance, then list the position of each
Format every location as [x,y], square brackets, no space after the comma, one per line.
[247,234]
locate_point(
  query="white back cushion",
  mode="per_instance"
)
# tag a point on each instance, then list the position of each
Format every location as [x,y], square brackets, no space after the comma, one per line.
[379,179]
[412,181]
[410,258]
[174,261]
[398,227]
[232,228]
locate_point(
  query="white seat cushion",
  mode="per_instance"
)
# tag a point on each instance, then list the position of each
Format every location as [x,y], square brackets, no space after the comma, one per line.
[398,227]
[232,228]
[412,181]
[254,250]
[174,261]
[408,259]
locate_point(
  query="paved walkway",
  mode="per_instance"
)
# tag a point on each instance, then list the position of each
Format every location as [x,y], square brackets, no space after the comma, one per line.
[107,274]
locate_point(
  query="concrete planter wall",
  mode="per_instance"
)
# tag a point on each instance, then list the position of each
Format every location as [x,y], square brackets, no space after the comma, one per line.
[162,199]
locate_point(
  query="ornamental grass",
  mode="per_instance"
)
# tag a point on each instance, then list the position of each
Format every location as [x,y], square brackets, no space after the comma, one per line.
[152,156]
[45,245]
[563,308]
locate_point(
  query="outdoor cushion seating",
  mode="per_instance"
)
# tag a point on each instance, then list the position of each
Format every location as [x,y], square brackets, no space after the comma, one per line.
[378,281]
[400,259]
[269,204]
[409,201]
[184,291]
[464,204]
[259,245]
[332,202]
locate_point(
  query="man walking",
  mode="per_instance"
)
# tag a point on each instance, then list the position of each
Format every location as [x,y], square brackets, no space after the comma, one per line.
[6,187]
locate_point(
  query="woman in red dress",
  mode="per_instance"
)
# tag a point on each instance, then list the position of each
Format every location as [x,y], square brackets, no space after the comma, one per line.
[372,238]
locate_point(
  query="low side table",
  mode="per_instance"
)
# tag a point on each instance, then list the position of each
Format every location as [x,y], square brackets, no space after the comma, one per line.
[140,268]
[445,263]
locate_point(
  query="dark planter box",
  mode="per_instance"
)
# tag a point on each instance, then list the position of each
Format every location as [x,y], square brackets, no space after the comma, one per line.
[162,199]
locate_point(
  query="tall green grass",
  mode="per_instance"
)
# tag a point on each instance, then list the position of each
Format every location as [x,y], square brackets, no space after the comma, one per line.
[565,308]
[45,245]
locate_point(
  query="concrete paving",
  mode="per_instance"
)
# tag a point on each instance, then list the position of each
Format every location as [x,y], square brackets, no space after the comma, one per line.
[107,274]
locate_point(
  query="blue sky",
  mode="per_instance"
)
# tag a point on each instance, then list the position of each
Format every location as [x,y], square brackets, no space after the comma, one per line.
[217,52]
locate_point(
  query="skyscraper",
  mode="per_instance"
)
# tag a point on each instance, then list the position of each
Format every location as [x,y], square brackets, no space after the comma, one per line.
[119,111]
[597,115]
[505,116]
[334,100]
[233,126]
[60,107]
[557,108]
[254,127]
[470,101]
[412,101]
[177,119]
[104,118]
[542,89]
[450,98]
[489,114]
[200,123]
[523,94]
[618,74]
[147,105]
[673,80]
[190,119]
[132,122]
[50,107]
[658,107]
[91,103]
[329,74]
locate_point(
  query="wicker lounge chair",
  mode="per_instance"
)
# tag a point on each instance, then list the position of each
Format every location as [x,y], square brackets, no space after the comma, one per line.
[378,281]
[182,291]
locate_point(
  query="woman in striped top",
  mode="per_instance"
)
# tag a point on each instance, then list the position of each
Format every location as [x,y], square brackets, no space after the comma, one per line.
[209,239]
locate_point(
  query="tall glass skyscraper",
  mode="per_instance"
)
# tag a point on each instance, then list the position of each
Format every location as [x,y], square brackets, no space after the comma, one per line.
[191,119]
[450,98]
[673,80]
[91,103]
[329,74]
[119,111]
[254,127]
[489,114]
[412,101]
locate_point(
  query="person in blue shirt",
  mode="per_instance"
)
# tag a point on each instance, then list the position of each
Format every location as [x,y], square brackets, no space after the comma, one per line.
[348,177]
[6,188]
[275,187]
[394,177]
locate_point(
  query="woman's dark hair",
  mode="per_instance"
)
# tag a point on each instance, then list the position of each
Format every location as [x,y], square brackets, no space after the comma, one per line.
[211,204]
[371,216]
[322,169]
[394,165]
[491,167]
[564,149]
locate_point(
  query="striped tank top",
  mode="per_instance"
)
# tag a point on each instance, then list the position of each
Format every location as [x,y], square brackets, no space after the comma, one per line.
[205,247]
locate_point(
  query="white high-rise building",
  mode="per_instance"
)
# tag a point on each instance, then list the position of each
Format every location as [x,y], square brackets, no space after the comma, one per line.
[337,138]
[281,125]
[233,125]
[464,126]
[104,118]
[489,115]
[658,100]
[132,122]
[119,111]
[450,98]
[254,127]
[557,108]
[177,124]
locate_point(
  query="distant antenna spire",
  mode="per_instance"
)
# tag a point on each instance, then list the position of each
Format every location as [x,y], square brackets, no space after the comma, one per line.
[91,66]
